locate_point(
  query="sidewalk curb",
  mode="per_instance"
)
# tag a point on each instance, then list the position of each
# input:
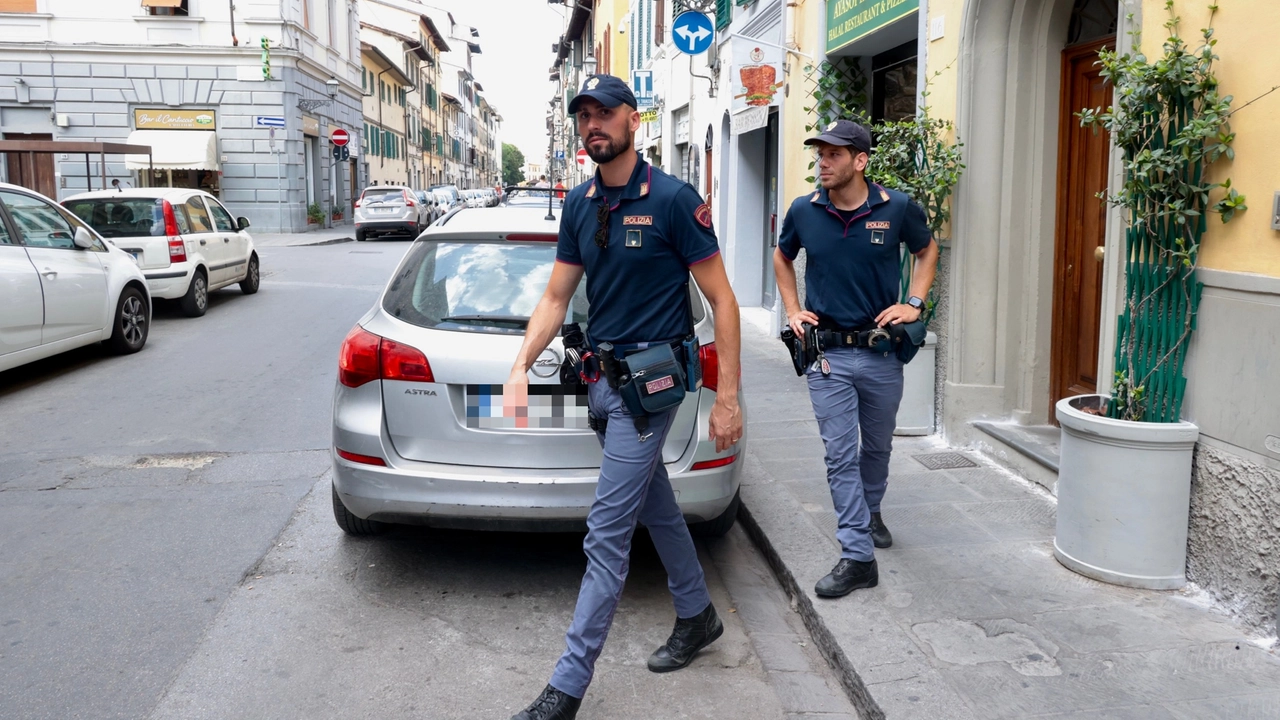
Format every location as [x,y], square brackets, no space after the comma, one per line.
[827,644]
[330,241]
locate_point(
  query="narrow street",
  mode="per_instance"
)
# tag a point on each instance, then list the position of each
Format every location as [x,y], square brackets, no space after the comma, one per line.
[171,550]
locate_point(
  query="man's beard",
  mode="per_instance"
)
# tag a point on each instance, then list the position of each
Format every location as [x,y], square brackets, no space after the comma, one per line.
[839,181]
[614,148]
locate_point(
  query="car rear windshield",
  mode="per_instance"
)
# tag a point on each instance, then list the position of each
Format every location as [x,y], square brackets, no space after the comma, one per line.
[121,217]
[372,195]
[476,286]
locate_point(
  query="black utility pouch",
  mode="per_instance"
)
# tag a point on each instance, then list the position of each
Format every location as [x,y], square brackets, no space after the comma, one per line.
[656,381]
[908,339]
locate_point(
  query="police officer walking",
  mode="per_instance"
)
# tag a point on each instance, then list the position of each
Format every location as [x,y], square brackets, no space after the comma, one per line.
[638,234]
[851,229]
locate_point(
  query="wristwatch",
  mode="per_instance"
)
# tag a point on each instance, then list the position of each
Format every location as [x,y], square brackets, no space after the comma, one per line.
[915,302]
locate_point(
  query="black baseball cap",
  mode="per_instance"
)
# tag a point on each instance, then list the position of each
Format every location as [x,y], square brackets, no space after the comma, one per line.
[609,90]
[844,132]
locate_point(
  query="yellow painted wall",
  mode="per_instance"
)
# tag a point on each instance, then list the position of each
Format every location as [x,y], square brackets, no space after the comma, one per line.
[609,15]
[942,62]
[1249,66]
[809,18]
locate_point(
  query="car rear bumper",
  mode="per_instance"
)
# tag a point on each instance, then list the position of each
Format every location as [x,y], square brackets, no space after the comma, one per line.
[378,228]
[456,496]
[169,283]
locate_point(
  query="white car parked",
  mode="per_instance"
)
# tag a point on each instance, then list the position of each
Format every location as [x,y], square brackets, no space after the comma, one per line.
[185,241]
[61,286]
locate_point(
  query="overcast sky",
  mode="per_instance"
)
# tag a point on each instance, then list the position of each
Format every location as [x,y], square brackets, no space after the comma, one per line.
[515,42]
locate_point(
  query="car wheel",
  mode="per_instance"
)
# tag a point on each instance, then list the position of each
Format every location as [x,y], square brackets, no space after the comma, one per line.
[721,525]
[249,285]
[359,236]
[351,524]
[196,301]
[129,332]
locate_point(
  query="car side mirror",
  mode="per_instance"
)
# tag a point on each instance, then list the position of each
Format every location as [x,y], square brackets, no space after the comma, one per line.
[84,238]
[242,223]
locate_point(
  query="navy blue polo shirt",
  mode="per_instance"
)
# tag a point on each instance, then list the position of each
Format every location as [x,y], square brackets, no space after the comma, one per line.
[853,273]
[637,286]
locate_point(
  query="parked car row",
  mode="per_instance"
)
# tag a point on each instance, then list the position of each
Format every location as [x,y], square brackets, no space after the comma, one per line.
[87,270]
[482,197]
[400,211]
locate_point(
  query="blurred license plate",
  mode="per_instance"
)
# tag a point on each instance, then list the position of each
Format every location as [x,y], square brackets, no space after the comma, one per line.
[547,407]
[384,210]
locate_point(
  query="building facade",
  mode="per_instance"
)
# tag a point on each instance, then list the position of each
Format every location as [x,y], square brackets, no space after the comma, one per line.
[240,105]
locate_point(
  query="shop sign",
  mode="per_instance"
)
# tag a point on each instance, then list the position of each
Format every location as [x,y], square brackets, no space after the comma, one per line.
[174,120]
[310,126]
[648,116]
[757,71]
[748,119]
[849,20]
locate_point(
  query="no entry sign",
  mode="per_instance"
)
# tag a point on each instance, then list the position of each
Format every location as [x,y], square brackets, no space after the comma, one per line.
[582,156]
[339,137]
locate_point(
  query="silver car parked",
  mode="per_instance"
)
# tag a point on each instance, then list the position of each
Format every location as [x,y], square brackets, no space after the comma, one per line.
[386,210]
[420,434]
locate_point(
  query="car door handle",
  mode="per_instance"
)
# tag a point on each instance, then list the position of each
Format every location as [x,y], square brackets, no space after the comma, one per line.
[202,242]
[51,274]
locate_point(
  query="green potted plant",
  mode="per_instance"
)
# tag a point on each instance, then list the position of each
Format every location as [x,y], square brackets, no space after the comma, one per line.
[337,213]
[1124,481]
[315,214]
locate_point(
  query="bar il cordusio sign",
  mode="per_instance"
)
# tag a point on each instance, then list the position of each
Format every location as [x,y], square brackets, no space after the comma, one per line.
[848,20]
[144,119]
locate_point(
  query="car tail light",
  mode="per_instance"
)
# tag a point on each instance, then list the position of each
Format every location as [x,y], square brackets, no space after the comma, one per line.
[358,359]
[177,250]
[718,462]
[364,459]
[358,201]
[407,200]
[710,361]
[401,362]
[366,357]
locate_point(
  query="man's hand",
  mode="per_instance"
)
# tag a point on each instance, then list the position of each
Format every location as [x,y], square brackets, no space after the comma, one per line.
[726,423]
[899,313]
[795,321]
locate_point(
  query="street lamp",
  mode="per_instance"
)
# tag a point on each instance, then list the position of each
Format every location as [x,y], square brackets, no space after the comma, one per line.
[589,66]
[332,86]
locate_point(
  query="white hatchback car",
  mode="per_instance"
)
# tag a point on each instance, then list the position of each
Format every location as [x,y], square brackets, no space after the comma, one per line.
[61,286]
[185,241]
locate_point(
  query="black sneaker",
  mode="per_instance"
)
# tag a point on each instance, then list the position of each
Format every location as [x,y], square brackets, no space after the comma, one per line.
[880,535]
[847,576]
[551,705]
[689,636]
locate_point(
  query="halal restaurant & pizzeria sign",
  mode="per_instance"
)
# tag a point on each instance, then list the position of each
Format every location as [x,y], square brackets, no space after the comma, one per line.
[849,20]
[174,120]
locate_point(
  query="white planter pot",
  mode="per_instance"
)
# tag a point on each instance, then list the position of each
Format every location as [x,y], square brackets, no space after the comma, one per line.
[1124,497]
[915,412]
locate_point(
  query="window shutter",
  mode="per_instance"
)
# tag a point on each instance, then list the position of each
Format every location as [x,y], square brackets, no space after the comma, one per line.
[659,22]
[724,14]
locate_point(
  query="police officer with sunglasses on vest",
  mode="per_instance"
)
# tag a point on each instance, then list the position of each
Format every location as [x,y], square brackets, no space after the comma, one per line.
[638,234]
[852,230]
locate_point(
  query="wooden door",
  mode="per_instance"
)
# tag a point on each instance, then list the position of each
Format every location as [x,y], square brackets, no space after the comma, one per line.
[33,171]
[1083,157]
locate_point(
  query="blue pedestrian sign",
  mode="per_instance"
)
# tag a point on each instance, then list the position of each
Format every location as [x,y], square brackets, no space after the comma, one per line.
[692,32]
[270,121]
[642,88]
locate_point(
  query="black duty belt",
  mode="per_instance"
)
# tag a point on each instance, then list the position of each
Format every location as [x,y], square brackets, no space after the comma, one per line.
[852,338]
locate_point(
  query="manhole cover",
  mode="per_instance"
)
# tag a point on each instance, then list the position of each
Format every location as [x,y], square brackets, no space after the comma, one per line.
[945,461]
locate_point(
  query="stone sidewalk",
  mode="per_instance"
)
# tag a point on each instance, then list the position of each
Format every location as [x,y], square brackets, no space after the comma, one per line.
[320,236]
[973,617]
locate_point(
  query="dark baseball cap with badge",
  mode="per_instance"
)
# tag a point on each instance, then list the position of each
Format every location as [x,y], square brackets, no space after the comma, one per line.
[844,133]
[607,89]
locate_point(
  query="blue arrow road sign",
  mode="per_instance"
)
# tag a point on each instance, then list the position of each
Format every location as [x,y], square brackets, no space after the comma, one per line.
[692,32]
[271,121]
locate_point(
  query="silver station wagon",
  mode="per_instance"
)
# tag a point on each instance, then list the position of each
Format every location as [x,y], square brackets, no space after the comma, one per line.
[420,435]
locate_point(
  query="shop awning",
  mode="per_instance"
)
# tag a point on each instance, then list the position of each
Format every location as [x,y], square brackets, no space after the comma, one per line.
[175,150]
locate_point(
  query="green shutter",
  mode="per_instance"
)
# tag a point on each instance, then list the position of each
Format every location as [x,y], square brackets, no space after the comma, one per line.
[724,14]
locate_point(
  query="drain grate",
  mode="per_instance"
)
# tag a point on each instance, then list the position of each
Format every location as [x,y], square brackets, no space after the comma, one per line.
[945,461]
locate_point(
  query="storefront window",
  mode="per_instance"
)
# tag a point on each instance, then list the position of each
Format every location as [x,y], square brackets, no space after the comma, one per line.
[893,75]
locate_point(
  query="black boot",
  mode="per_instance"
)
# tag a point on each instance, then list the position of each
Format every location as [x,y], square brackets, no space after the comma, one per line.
[847,576]
[689,636]
[551,705]
[880,535]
